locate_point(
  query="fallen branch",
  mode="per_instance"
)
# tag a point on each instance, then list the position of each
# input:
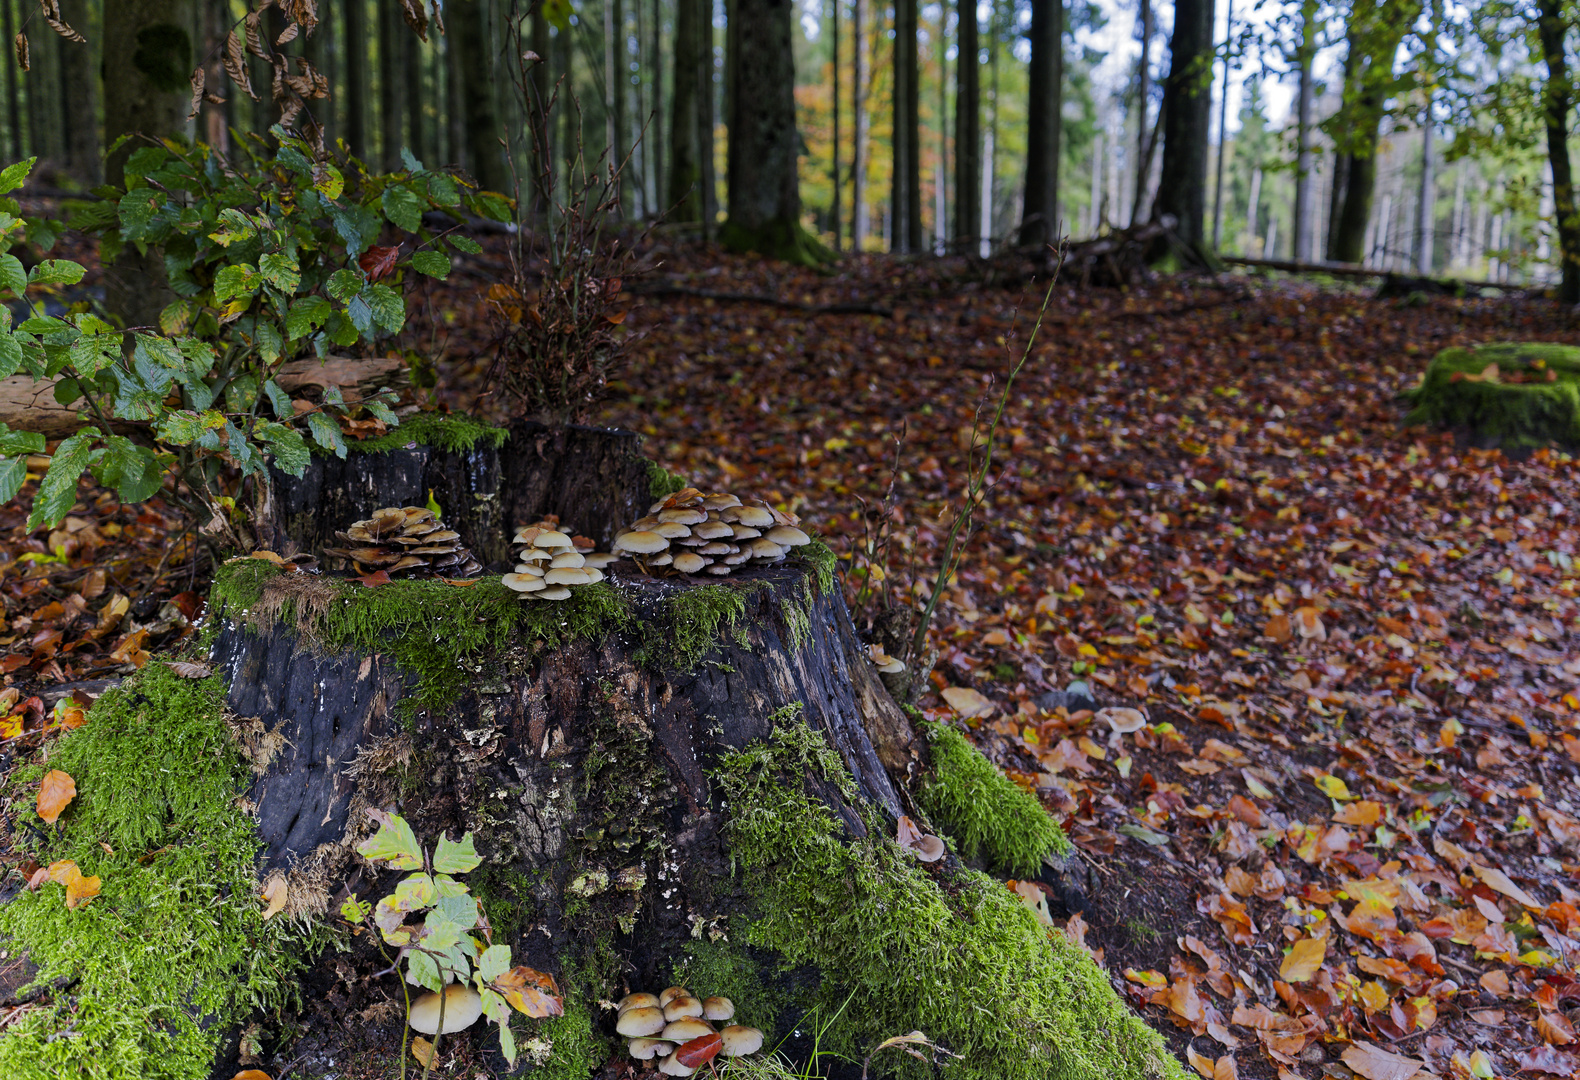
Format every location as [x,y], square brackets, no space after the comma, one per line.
[664,288]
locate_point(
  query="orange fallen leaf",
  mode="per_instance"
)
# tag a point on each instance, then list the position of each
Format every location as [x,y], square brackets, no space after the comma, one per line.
[1278,629]
[1304,960]
[1375,1063]
[531,992]
[968,702]
[56,791]
[252,1074]
[276,892]
[422,1050]
[79,889]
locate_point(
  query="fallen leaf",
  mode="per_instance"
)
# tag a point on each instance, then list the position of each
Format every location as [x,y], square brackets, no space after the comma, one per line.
[375,579]
[968,702]
[1498,881]
[1122,721]
[1375,1063]
[699,1051]
[189,669]
[54,793]
[1303,960]
[252,1074]
[422,1050]
[531,992]
[276,892]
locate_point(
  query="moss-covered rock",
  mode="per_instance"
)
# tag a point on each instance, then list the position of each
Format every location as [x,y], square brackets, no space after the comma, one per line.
[956,955]
[175,948]
[1518,397]
[986,813]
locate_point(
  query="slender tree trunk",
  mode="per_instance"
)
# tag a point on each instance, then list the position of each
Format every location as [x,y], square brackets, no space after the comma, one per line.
[1187,121]
[764,191]
[146,93]
[569,106]
[541,151]
[1302,224]
[416,129]
[906,194]
[968,125]
[1223,131]
[1144,17]
[1558,98]
[1426,203]
[1040,218]
[390,36]
[685,143]
[357,78]
[79,80]
[655,142]
[706,90]
[839,222]
[1342,161]
[620,77]
[468,20]
[860,83]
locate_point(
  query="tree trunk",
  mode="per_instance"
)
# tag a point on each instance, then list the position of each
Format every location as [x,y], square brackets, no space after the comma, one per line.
[79,81]
[390,35]
[356,88]
[620,79]
[764,191]
[146,93]
[906,191]
[469,27]
[13,93]
[1040,219]
[541,153]
[685,135]
[1143,106]
[707,91]
[1557,98]
[968,129]
[1302,239]
[412,77]
[860,83]
[1187,121]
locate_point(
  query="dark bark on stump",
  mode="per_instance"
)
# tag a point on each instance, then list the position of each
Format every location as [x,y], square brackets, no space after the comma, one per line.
[595,479]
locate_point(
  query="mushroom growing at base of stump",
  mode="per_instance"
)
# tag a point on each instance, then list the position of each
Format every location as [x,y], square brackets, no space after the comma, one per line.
[551,564]
[407,540]
[675,1030]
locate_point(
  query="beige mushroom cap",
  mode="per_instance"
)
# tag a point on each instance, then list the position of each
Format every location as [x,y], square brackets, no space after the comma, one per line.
[568,558]
[684,515]
[719,568]
[638,1000]
[553,592]
[758,517]
[721,500]
[462,1007]
[663,558]
[648,1049]
[739,1041]
[686,1028]
[745,532]
[523,582]
[640,1022]
[672,993]
[640,542]
[681,1007]
[594,575]
[551,538]
[717,547]
[765,549]
[672,530]
[671,1066]
[713,530]
[718,1008]
[567,575]
[788,536]
[688,562]
[599,559]
[532,555]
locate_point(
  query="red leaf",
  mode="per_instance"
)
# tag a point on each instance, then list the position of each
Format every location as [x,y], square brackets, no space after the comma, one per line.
[375,579]
[699,1051]
[377,262]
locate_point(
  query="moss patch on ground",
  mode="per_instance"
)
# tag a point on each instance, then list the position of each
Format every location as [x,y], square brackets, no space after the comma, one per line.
[1530,400]
[960,959]
[437,631]
[174,949]
[986,813]
[451,432]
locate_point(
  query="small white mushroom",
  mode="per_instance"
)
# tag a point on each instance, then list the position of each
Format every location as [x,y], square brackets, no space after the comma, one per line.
[550,538]
[684,515]
[648,1049]
[533,555]
[674,991]
[522,582]
[672,530]
[758,517]
[663,558]
[640,1022]
[720,501]
[739,1041]
[717,547]
[567,576]
[594,575]
[745,532]
[719,568]
[788,536]
[639,542]
[718,1008]
[671,1066]
[462,1007]
[569,558]
[766,549]
[713,530]
[688,562]
[553,592]
[599,559]
[685,1029]
[681,1007]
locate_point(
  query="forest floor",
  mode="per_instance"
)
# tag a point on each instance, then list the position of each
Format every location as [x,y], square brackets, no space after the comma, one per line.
[1342,836]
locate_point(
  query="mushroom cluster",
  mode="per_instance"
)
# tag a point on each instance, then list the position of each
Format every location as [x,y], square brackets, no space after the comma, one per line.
[694,532]
[405,540]
[551,563]
[676,1027]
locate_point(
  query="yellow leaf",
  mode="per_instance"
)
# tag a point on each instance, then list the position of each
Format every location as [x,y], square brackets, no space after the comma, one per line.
[1200,1062]
[422,1050]
[1333,787]
[54,793]
[1499,881]
[1374,995]
[1303,960]
[79,889]
[276,892]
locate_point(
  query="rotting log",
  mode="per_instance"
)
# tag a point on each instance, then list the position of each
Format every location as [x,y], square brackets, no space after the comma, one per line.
[595,479]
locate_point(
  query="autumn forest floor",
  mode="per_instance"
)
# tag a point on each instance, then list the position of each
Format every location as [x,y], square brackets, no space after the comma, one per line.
[1346,837]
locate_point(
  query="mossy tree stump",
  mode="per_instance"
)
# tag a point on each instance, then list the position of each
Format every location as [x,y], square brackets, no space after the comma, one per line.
[1517,397]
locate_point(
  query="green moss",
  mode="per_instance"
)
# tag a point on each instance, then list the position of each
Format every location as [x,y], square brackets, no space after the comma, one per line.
[722,969]
[985,812]
[438,632]
[694,621]
[661,483]
[822,562]
[780,238]
[964,961]
[1518,417]
[174,949]
[448,432]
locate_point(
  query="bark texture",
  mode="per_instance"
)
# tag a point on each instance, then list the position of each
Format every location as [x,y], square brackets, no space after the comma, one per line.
[1040,221]
[687,143]
[968,132]
[1558,100]
[1187,120]
[906,197]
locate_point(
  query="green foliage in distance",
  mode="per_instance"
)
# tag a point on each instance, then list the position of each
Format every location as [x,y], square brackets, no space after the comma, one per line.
[441,950]
[273,256]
